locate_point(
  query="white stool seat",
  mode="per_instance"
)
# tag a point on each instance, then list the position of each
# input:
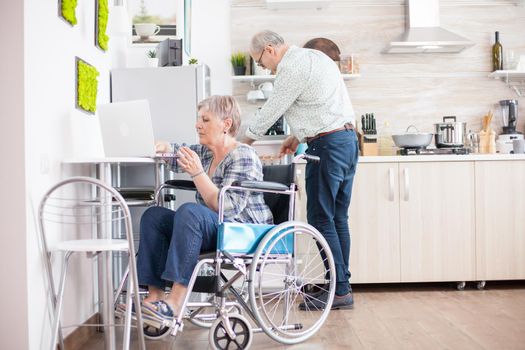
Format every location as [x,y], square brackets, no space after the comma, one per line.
[92,245]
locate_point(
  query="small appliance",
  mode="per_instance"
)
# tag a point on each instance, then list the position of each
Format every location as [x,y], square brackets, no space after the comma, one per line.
[450,133]
[278,128]
[170,52]
[509,119]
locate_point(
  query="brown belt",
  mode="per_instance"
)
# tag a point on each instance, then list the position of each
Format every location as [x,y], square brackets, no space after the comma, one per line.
[347,126]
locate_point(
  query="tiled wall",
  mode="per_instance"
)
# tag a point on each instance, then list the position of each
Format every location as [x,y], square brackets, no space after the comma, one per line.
[403,89]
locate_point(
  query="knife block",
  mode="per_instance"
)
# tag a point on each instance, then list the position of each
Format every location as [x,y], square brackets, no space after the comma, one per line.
[368,148]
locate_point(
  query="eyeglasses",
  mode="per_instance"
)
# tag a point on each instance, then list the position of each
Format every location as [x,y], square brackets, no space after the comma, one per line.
[259,60]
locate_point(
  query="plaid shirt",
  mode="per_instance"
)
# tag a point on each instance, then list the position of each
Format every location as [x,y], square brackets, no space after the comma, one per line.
[242,163]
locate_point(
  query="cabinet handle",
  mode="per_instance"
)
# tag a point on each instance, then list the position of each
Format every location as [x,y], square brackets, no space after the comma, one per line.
[391,184]
[407,184]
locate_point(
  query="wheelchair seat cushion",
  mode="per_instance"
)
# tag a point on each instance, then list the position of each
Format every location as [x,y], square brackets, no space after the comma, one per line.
[243,238]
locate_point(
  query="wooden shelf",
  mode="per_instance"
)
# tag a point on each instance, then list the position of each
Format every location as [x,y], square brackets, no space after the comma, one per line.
[262,78]
[514,79]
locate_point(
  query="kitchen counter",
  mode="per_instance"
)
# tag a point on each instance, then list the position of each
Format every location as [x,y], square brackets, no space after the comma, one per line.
[440,158]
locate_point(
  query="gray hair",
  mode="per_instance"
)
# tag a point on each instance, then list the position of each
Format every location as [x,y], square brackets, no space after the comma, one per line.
[223,107]
[266,37]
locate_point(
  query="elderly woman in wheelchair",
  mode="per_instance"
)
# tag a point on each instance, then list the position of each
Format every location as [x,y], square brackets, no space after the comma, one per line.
[171,241]
[281,265]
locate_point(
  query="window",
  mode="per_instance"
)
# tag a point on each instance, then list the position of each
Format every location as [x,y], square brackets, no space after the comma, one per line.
[153,20]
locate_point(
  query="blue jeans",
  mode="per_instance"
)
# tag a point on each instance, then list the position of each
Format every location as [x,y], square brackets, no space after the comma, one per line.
[171,241]
[329,190]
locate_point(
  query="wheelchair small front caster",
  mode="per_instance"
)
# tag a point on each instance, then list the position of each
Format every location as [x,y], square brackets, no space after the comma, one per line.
[220,339]
[154,333]
[480,285]
[461,285]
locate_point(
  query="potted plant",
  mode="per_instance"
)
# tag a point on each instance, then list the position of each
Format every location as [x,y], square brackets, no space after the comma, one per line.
[153,61]
[193,61]
[238,61]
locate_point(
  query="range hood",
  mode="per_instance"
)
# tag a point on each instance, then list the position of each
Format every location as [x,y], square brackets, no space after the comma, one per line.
[423,33]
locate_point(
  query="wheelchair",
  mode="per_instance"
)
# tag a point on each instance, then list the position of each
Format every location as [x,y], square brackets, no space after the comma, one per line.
[261,277]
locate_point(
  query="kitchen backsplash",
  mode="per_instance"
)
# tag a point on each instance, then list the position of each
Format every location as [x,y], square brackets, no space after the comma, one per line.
[402,89]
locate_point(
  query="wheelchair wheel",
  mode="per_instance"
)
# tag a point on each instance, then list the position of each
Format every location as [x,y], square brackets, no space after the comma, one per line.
[220,339]
[291,258]
[154,333]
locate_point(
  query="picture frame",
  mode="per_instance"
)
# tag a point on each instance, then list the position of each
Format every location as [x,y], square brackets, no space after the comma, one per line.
[67,11]
[86,86]
[101,24]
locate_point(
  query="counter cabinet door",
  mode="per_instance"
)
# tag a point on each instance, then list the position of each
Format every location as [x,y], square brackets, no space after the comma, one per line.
[500,222]
[374,224]
[437,221]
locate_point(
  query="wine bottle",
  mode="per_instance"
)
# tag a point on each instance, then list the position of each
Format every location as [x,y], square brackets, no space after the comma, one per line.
[497,55]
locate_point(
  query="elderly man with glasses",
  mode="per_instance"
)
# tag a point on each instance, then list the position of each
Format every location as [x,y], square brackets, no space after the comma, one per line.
[310,92]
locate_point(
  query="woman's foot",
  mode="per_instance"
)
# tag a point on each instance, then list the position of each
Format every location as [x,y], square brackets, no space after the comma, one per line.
[159,309]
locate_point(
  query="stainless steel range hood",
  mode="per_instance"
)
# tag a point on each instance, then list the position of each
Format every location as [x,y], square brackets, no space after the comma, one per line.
[423,33]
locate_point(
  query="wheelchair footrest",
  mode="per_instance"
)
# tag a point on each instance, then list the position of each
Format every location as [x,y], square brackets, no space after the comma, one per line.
[205,284]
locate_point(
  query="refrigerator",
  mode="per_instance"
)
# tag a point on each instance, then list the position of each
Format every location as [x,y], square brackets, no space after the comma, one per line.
[173,94]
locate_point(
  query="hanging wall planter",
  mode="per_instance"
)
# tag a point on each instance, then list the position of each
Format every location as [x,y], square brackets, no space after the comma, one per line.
[101,23]
[86,86]
[67,11]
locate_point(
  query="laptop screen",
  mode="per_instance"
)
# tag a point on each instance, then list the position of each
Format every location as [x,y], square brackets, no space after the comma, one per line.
[126,129]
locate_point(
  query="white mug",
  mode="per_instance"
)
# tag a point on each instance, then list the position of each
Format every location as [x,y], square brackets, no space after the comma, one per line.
[145,30]
[254,95]
[266,88]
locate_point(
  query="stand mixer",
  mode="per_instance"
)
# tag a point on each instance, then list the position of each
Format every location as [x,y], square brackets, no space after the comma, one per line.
[509,118]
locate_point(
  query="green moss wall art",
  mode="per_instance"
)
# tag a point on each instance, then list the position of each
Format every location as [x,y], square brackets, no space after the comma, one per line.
[67,11]
[87,86]
[101,19]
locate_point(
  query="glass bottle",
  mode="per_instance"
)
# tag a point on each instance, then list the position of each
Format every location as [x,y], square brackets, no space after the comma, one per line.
[497,55]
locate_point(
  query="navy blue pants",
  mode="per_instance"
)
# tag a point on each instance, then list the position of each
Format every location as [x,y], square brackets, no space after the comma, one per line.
[171,241]
[329,190]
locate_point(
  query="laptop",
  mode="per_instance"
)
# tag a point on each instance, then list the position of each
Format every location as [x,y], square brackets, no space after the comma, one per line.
[126,129]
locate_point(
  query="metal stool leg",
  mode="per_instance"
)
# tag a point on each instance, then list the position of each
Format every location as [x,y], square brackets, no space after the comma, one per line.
[59,299]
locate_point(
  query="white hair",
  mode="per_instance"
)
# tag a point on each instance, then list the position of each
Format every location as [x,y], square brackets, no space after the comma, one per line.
[223,107]
[266,37]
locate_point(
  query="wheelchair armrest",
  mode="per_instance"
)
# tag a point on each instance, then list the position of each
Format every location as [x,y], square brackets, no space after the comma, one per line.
[187,185]
[181,185]
[261,185]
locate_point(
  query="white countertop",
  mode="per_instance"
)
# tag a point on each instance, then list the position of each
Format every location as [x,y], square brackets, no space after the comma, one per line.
[95,160]
[441,158]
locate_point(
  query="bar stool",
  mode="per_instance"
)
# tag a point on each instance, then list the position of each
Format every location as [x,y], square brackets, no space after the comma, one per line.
[78,215]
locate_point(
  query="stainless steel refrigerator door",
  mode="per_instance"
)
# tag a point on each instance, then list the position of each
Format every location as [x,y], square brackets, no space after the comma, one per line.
[173,93]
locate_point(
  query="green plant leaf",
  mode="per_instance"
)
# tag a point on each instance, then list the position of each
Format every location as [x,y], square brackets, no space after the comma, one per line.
[238,59]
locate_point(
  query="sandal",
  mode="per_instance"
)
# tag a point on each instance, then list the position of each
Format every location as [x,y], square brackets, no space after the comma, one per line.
[159,309]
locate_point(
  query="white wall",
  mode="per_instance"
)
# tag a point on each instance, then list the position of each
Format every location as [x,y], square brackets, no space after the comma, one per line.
[13,272]
[51,45]
[403,89]
[210,41]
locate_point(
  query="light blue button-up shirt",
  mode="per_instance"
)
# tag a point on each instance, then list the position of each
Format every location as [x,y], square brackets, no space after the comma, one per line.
[311,94]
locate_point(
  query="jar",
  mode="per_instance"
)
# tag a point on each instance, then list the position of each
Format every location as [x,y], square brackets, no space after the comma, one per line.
[348,64]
